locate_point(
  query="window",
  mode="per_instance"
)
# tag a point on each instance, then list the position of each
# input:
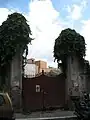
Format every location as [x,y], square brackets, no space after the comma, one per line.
[2,101]
[37,88]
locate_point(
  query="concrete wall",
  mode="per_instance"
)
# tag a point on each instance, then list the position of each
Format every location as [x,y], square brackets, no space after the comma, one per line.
[16,79]
[88,85]
[75,83]
[16,70]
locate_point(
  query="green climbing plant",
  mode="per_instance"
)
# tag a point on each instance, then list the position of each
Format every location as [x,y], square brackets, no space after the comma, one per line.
[14,37]
[68,43]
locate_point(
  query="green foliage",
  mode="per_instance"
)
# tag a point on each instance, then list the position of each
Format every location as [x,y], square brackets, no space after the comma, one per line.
[68,43]
[14,36]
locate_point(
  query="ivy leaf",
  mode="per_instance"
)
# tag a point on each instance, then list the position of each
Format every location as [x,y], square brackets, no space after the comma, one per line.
[67,43]
[15,35]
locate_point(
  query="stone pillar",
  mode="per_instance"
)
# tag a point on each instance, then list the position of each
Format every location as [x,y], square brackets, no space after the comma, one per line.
[16,80]
[72,81]
[76,79]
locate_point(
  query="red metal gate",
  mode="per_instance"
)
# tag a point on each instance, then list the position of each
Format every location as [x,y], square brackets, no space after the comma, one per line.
[43,92]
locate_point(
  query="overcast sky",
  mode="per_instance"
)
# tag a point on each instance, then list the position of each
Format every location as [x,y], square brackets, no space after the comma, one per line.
[46,19]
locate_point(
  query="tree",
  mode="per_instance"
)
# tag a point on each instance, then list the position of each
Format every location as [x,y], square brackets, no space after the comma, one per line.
[69,43]
[14,37]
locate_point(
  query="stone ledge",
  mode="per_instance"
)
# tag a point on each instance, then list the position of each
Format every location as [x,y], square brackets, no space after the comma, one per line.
[57,118]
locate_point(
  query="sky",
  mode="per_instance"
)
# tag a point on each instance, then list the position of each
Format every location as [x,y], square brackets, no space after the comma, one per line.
[47,18]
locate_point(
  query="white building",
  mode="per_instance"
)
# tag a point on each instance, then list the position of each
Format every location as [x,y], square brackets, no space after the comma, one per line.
[30,69]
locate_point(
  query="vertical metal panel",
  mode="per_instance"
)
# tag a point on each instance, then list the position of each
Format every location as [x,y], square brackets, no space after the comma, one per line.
[52,92]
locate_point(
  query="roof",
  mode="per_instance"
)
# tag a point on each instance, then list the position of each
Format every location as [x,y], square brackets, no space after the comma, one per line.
[47,74]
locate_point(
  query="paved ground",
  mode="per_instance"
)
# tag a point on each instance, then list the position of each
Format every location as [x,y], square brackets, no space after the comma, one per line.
[51,118]
[45,115]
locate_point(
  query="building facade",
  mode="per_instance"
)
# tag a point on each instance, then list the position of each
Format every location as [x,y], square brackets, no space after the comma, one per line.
[31,69]
[42,65]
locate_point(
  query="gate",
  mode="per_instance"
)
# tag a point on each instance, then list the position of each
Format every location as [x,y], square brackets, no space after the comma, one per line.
[43,92]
